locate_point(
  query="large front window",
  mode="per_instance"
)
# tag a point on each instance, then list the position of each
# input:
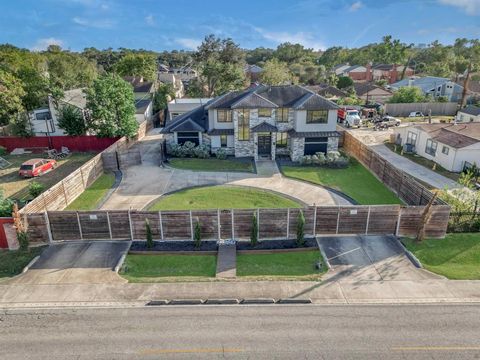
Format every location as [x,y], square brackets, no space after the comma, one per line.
[243,124]
[317,116]
[431,147]
[282,140]
[282,115]
[224,115]
[264,112]
[411,138]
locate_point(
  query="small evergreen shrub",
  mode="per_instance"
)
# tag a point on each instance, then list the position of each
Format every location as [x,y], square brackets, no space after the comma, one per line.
[148,231]
[221,154]
[35,189]
[300,240]
[197,235]
[254,232]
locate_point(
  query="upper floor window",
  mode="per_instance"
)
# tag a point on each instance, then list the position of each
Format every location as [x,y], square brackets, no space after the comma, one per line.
[224,115]
[317,116]
[243,124]
[282,115]
[431,147]
[264,112]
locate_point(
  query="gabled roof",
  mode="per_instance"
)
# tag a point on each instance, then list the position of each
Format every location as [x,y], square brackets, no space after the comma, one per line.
[336,67]
[187,125]
[253,68]
[424,83]
[253,101]
[194,120]
[351,68]
[363,88]
[139,85]
[264,127]
[471,110]
[454,135]
[325,90]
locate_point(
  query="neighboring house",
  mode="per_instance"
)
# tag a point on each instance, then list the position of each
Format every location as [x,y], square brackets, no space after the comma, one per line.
[263,121]
[44,121]
[469,114]
[433,86]
[390,72]
[143,92]
[169,78]
[253,72]
[372,93]
[328,91]
[339,69]
[178,107]
[452,146]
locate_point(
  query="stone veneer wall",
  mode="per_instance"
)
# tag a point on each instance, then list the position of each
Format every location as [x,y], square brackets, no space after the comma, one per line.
[332,144]
[297,148]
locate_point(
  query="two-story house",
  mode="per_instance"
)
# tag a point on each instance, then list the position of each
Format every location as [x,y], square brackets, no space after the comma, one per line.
[261,122]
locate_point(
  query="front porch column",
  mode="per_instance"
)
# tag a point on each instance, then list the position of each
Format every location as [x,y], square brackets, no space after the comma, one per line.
[255,146]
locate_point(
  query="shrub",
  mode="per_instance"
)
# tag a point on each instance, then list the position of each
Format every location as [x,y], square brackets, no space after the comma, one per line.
[3,151]
[20,229]
[201,151]
[6,205]
[332,159]
[197,235]
[148,231]
[35,189]
[221,154]
[254,232]
[300,240]
[189,148]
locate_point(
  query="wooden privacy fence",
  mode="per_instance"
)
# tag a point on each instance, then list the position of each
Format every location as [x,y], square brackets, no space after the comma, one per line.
[234,223]
[405,186]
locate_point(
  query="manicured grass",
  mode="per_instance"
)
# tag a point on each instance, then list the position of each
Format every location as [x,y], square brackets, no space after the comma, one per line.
[223,197]
[355,181]
[13,262]
[151,268]
[92,196]
[286,264]
[456,257]
[211,164]
[424,162]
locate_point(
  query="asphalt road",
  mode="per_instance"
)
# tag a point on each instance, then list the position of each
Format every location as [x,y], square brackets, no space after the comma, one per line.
[244,332]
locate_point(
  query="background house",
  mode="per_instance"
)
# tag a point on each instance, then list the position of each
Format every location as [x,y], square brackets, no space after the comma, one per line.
[178,107]
[452,146]
[389,72]
[143,92]
[468,114]
[372,93]
[329,92]
[433,86]
[253,72]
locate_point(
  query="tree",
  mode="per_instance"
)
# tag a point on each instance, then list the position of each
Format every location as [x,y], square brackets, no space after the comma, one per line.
[197,235]
[254,231]
[259,55]
[21,125]
[6,205]
[409,94]
[344,82]
[163,95]
[71,120]
[144,65]
[11,94]
[293,53]
[68,71]
[111,103]
[473,59]
[220,63]
[276,73]
[300,240]
[149,236]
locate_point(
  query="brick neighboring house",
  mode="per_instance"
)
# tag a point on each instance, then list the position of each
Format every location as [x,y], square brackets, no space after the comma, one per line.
[369,72]
[263,121]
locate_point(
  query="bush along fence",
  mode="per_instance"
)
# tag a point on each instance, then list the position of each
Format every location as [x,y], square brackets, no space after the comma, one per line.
[464,222]
[405,186]
[235,223]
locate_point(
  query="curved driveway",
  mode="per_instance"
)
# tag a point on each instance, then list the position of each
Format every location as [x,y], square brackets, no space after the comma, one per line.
[142,184]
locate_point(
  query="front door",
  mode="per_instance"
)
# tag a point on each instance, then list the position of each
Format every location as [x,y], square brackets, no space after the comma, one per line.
[264,144]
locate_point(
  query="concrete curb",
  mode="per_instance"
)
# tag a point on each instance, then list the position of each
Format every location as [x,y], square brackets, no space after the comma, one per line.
[186,302]
[410,255]
[157,302]
[222,301]
[258,301]
[120,261]
[294,301]
[329,267]
[30,264]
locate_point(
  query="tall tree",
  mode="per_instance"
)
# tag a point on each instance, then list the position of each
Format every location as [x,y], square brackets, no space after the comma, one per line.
[276,72]
[472,56]
[220,62]
[293,53]
[144,65]
[11,94]
[111,103]
[71,120]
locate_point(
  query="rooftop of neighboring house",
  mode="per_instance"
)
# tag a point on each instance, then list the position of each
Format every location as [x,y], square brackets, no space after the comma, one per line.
[455,135]
[363,88]
[425,83]
[336,67]
[75,97]
[471,110]
[163,68]
[194,120]
[142,105]
[138,83]
[326,90]
[353,67]
[252,68]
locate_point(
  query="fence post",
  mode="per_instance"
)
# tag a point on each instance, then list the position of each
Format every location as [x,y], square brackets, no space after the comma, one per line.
[233,226]
[65,194]
[191,226]
[49,230]
[79,226]
[315,221]
[109,226]
[368,221]
[397,230]
[130,224]
[218,225]
[161,225]
[288,223]
[83,180]
[338,219]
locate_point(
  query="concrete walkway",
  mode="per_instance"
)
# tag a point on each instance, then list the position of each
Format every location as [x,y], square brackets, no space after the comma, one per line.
[143,184]
[226,261]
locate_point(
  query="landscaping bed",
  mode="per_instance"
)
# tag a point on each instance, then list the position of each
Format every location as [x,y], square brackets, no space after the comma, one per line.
[355,181]
[93,195]
[13,262]
[276,245]
[170,246]
[222,197]
[213,164]
[457,256]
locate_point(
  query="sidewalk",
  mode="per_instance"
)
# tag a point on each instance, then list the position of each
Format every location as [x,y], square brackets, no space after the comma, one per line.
[328,292]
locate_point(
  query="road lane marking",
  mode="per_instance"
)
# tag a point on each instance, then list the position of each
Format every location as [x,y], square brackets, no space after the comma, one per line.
[188,351]
[436,348]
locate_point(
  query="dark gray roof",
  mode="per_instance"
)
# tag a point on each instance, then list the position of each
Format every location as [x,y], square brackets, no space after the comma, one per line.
[188,125]
[142,105]
[264,127]
[253,101]
[193,120]
[363,88]
[314,102]
[139,84]
[326,90]
[294,134]
[471,110]
[221,132]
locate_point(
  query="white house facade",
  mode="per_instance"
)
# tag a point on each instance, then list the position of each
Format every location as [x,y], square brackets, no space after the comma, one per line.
[469,114]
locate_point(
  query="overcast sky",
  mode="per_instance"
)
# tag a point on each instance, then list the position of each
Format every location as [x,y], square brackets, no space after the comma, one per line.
[182,24]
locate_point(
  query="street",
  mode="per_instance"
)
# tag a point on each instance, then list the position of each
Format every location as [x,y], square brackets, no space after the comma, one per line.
[244,332]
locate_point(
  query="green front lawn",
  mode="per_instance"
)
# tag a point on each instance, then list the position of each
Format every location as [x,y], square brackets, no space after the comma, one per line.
[211,164]
[13,262]
[152,268]
[285,264]
[456,257]
[223,197]
[355,181]
[92,196]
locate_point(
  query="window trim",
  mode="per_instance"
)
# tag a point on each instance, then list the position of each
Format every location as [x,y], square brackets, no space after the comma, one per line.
[310,119]
[227,113]
[430,146]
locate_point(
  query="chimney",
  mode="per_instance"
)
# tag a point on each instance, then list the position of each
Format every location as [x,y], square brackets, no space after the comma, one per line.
[393,74]
[369,75]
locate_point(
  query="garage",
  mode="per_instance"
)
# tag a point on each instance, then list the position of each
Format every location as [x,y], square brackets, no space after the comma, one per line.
[315,144]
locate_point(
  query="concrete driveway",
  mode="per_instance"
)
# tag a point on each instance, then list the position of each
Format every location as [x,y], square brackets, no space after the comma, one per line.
[372,258]
[76,263]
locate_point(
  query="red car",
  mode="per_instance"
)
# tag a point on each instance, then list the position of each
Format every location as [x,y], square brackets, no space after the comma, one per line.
[36,167]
